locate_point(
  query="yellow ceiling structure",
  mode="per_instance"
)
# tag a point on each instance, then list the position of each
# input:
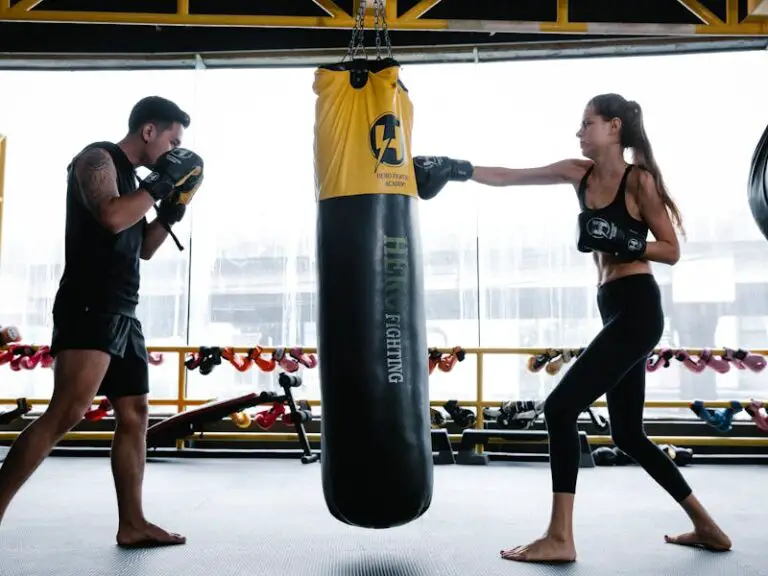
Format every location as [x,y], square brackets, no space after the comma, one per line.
[420,29]
[415,18]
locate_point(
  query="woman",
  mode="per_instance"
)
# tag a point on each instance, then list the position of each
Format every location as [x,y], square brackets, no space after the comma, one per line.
[620,203]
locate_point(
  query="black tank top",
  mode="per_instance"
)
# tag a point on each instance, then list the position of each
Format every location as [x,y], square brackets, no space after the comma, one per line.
[616,212]
[101,269]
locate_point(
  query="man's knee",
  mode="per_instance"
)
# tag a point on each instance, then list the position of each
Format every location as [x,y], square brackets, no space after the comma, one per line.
[77,375]
[131,411]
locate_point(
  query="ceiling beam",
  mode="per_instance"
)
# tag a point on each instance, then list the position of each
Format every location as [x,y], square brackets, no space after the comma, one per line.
[757,8]
[701,12]
[26,5]
[332,9]
[420,9]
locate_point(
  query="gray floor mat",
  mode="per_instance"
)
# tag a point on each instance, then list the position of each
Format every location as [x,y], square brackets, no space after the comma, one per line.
[268,517]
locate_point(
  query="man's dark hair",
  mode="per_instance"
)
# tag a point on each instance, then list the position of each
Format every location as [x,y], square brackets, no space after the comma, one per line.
[158,111]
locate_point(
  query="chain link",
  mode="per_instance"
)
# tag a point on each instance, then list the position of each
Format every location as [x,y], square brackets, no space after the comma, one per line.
[384,27]
[357,42]
[376,27]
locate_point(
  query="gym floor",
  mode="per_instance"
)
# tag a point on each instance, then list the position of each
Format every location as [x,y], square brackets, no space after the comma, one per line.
[268,518]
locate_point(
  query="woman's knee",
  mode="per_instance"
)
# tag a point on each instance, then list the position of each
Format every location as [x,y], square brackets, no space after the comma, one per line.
[558,411]
[628,440]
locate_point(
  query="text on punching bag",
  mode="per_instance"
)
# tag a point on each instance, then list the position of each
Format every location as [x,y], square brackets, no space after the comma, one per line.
[395,284]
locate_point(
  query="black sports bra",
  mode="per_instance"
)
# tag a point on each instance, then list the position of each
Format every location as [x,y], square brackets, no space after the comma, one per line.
[616,212]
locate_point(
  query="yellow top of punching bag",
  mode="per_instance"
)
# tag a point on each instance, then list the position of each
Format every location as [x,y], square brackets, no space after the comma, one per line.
[362,131]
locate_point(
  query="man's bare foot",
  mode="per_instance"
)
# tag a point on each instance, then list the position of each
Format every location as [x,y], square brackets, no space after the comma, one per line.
[147,536]
[710,538]
[546,549]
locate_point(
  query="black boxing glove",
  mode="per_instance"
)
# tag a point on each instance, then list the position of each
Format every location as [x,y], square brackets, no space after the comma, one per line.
[600,235]
[171,173]
[170,212]
[434,172]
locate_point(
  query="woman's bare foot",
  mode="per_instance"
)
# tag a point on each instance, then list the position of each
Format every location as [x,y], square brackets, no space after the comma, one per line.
[546,549]
[709,537]
[147,536]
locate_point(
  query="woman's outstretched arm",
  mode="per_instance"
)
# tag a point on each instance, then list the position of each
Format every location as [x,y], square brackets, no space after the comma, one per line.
[568,171]
[434,172]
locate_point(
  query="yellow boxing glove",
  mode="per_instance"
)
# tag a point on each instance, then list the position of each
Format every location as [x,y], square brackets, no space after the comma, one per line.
[186,190]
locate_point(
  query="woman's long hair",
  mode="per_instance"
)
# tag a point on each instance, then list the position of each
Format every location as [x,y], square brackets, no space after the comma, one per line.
[633,136]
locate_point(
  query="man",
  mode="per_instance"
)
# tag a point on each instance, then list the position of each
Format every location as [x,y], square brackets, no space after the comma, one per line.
[97,340]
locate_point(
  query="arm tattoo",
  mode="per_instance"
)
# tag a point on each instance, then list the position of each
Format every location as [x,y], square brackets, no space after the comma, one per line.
[98,178]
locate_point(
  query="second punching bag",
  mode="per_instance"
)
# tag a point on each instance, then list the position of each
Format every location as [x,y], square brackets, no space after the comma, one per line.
[372,350]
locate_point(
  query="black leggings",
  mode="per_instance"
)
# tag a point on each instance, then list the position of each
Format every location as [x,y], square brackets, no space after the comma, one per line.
[613,364]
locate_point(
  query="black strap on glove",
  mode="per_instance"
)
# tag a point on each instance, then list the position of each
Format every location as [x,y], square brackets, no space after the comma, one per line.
[176,177]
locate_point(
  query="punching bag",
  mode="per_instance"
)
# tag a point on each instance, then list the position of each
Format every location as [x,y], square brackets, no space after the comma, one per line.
[372,350]
[758,185]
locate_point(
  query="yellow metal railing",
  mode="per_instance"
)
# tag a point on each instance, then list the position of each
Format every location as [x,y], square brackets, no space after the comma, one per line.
[180,402]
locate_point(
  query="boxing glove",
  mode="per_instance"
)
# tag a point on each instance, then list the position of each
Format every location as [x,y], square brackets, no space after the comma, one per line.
[186,190]
[434,172]
[170,212]
[175,171]
[9,335]
[600,235]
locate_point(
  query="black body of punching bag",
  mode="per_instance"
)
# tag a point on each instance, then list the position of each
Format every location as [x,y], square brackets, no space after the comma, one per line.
[376,445]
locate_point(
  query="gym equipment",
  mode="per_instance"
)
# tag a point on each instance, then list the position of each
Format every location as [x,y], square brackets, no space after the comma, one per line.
[757,187]
[515,414]
[191,422]
[720,419]
[555,364]
[377,465]
[267,418]
[757,411]
[434,172]
[715,362]
[537,362]
[437,418]
[22,407]
[693,364]
[680,456]
[441,444]
[204,360]
[598,421]
[462,417]
[659,360]
[175,177]
[9,335]
[622,458]
[100,412]
[471,438]
[599,235]
[552,360]
[743,359]
[434,359]
[604,456]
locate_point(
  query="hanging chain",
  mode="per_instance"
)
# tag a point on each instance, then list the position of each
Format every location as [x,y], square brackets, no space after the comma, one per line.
[376,27]
[380,24]
[357,42]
